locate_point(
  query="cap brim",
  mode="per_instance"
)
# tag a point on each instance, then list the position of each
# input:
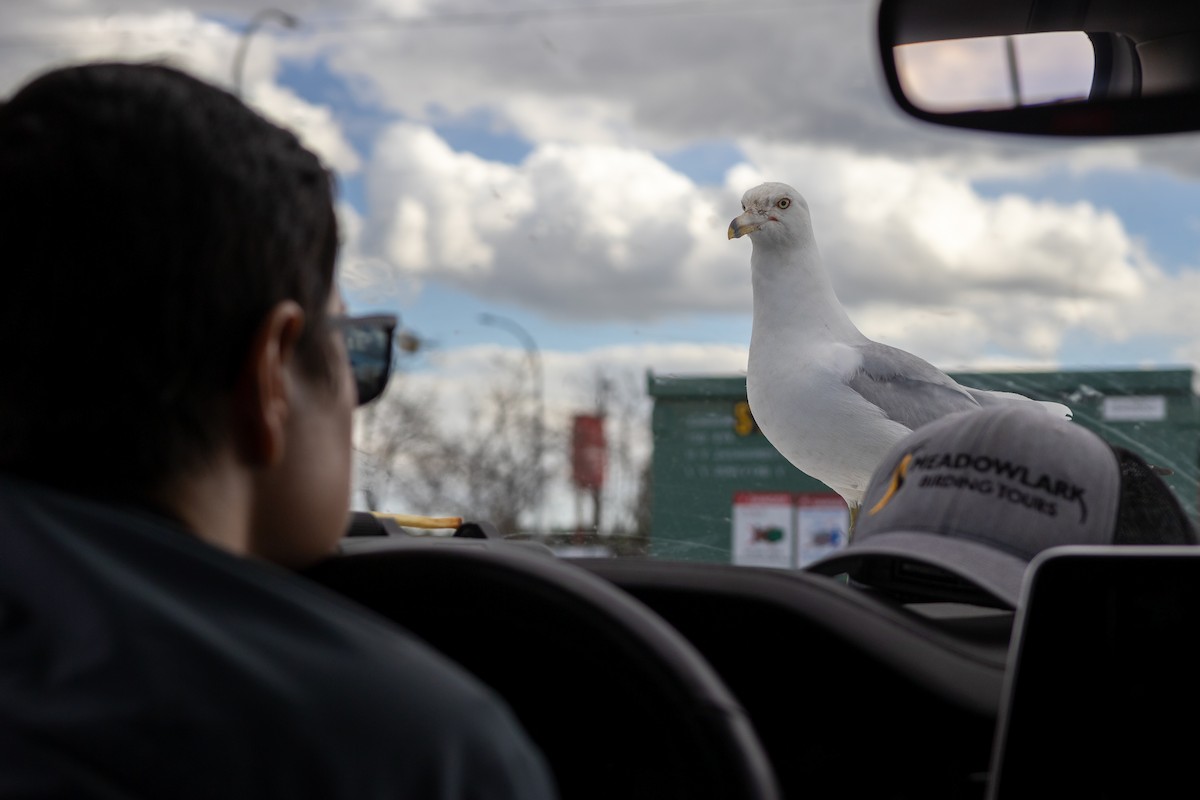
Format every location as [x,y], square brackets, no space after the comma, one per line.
[995,572]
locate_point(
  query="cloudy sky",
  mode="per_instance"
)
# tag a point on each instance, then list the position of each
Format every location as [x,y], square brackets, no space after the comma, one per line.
[572,165]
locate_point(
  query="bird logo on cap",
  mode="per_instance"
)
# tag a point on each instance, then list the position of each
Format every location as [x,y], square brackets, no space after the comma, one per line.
[894,484]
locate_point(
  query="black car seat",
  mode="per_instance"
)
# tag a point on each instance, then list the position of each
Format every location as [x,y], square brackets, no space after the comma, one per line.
[852,695]
[621,704]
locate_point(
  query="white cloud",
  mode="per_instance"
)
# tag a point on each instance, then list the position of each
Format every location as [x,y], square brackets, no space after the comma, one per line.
[180,37]
[906,241]
[606,233]
[315,125]
[1167,308]
[50,37]
[591,226]
[586,232]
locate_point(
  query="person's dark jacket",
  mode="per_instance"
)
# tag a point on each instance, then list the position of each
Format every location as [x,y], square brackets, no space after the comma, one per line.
[137,661]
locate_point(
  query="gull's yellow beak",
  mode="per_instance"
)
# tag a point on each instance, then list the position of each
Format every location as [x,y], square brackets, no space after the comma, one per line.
[743,225]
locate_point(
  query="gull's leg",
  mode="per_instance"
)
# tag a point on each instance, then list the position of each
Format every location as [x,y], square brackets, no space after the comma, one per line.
[854,507]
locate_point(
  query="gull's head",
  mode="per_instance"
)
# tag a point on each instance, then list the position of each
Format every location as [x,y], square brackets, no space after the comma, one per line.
[772,212]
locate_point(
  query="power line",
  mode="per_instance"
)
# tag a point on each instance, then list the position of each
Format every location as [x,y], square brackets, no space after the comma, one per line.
[494,18]
[664,8]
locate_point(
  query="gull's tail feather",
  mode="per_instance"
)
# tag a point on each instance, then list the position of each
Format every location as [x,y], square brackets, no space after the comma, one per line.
[1057,408]
[987,398]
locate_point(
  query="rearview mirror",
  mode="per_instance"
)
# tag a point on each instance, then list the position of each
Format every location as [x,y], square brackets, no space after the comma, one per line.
[1058,67]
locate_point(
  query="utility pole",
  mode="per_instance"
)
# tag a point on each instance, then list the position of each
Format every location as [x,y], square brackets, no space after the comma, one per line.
[603,388]
[239,57]
[537,417]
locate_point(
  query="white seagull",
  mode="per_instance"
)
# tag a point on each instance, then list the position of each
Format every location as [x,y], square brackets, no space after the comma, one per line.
[829,399]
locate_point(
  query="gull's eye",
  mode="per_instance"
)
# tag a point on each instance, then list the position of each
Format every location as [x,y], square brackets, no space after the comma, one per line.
[784,203]
[743,206]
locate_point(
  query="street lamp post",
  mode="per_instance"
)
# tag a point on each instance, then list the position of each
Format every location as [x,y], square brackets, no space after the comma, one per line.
[239,57]
[539,392]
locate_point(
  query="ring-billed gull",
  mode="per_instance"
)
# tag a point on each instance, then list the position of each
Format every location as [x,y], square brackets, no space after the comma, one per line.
[829,399]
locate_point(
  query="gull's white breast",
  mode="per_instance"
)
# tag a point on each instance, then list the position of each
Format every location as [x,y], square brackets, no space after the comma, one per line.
[802,404]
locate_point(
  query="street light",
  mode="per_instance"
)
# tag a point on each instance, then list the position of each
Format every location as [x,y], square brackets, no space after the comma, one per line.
[239,58]
[539,391]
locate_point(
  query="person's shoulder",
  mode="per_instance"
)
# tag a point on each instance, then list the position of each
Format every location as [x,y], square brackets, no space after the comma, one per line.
[168,629]
[389,706]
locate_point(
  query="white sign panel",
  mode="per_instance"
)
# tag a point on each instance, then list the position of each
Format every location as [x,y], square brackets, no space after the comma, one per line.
[1134,408]
[822,526]
[764,529]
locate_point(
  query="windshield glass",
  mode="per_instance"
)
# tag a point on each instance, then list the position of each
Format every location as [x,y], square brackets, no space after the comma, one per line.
[543,193]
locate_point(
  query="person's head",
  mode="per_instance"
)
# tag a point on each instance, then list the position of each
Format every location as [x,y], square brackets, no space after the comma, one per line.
[959,508]
[168,264]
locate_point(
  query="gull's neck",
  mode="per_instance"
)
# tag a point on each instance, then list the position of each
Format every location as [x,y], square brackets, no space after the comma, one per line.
[793,295]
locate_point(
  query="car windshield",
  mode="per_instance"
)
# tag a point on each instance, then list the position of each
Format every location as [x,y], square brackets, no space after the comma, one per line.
[543,192]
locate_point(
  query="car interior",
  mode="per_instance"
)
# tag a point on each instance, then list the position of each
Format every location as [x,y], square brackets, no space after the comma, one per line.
[586,667]
[1144,74]
[709,680]
[1089,707]
[744,682]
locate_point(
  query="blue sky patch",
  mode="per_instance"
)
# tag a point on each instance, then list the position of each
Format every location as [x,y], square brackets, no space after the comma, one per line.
[705,163]
[481,134]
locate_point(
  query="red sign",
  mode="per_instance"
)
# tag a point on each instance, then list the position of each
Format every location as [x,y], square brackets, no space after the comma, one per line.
[589,451]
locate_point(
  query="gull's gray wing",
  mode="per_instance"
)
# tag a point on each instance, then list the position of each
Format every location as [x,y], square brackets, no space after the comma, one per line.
[909,389]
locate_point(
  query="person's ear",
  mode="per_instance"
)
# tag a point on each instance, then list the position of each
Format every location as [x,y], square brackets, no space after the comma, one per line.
[265,389]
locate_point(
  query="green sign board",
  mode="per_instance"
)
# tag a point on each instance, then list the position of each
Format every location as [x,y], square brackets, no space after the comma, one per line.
[723,493]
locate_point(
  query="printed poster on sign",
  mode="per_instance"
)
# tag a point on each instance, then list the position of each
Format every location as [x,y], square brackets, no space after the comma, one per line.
[764,531]
[822,525]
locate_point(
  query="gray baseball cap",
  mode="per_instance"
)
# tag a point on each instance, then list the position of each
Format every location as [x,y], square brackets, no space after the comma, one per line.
[958,509]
